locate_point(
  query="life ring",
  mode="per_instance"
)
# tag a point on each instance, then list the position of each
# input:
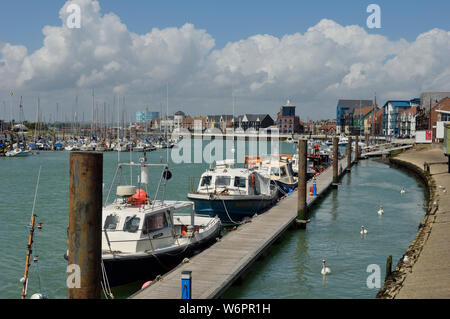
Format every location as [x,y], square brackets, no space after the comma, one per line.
[183,230]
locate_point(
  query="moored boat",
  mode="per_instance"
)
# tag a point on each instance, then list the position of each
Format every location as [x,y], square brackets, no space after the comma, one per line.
[233,193]
[142,238]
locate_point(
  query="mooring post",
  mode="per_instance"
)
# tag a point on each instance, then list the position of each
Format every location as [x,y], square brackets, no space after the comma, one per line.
[186,284]
[85,217]
[302,162]
[388,267]
[356,148]
[367,140]
[349,153]
[335,161]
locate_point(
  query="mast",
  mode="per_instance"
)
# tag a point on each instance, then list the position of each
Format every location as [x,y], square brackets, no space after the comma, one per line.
[30,242]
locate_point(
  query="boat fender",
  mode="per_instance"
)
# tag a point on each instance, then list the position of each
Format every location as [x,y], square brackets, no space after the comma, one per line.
[183,230]
[252,180]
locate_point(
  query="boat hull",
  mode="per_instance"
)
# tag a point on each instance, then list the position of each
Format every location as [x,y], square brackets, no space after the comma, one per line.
[231,211]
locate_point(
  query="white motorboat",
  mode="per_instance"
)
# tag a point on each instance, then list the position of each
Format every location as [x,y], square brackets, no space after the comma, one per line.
[144,237]
[17,152]
[233,193]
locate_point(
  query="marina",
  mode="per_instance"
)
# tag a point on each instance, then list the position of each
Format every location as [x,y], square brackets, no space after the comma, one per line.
[245,156]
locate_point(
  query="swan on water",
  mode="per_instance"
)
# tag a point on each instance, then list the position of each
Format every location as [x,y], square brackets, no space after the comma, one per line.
[325,270]
[363,230]
[381,211]
[402,190]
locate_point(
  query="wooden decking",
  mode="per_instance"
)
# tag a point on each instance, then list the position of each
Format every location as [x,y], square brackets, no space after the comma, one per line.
[216,268]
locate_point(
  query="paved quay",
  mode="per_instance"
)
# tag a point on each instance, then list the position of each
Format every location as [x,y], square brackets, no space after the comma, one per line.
[215,269]
[427,274]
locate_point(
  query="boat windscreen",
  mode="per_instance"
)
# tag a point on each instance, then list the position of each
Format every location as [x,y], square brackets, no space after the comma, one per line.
[223,180]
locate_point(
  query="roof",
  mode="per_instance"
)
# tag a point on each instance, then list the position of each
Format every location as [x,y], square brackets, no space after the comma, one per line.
[180,113]
[351,104]
[363,111]
[399,103]
[412,110]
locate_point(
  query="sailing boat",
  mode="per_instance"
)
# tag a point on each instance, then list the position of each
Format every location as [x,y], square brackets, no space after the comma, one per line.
[19,151]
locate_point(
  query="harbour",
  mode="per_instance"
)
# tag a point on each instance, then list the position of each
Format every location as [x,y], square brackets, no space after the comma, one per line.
[60,159]
[224,158]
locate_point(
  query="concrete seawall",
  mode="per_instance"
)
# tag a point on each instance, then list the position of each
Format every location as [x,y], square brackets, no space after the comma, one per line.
[427,273]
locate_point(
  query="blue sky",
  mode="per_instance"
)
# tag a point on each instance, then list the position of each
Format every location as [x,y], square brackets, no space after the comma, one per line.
[21,21]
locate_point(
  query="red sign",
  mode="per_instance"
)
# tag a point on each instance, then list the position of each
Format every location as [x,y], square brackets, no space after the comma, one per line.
[428,135]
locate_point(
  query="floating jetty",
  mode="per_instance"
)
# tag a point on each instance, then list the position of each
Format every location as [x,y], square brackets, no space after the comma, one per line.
[383,150]
[218,267]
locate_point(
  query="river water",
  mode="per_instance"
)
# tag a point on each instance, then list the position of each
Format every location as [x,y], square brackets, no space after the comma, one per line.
[291,270]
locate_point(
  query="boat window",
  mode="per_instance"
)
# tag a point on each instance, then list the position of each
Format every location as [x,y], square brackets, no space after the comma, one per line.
[223,180]
[154,222]
[131,224]
[283,171]
[274,171]
[206,181]
[111,222]
[239,182]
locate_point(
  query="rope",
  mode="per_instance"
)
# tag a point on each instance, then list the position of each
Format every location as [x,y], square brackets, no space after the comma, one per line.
[226,211]
[105,283]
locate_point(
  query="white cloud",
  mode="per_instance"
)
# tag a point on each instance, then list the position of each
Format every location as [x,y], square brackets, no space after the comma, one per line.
[329,61]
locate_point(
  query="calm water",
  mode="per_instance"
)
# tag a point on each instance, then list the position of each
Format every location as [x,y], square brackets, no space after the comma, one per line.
[292,268]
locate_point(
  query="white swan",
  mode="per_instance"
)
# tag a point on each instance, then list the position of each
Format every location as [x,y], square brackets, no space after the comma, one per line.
[325,270]
[402,190]
[381,211]
[363,231]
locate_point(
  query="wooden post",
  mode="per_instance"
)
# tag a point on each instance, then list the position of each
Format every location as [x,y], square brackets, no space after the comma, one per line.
[367,140]
[335,161]
[302,160]
[388,267]
[356,149]
[85,217]
[349,153]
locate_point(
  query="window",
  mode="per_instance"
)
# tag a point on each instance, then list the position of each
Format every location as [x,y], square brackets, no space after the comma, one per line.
[274,171]
[223,180]
[131,224]
[154,222]
[206,181]
[283,171]
[239,182]
[445,117]
[111,222]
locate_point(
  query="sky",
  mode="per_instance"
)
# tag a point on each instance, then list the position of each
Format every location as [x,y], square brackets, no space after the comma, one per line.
[196,55]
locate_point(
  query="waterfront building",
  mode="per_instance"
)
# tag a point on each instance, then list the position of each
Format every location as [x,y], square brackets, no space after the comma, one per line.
[218,121]
[427,101]
[178,119]
[255,121]
[146,117]
[344,114]
[391,111]
[360,122]
[287,122]
[407,122]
